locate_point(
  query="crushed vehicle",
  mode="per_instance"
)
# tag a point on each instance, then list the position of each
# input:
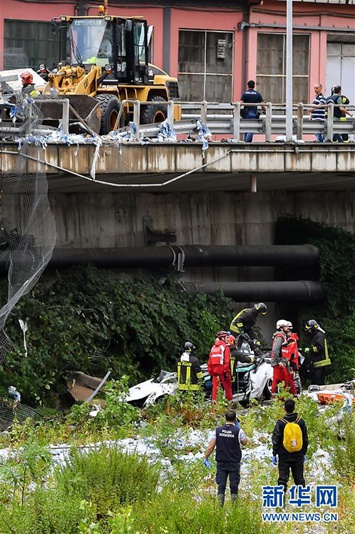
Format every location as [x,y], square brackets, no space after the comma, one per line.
[250,381]
[148,392]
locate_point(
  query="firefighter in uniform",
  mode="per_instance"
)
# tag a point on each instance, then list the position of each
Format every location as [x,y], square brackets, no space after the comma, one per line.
[28,87]
[189,369]
[236,355]
[244,322]
[318,351]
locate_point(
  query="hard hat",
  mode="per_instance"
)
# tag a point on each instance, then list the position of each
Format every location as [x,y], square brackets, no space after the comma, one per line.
[261,308]
[290,325]
[311,325]
[281,323]
[190,347]
[231,340]
[26,77]
[221,333]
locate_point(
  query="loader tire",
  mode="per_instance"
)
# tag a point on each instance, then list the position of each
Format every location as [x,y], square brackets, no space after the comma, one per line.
[110,106]
[154,113]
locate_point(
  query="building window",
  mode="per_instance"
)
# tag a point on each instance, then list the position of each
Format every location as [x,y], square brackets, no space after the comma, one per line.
[271,67]
[205,66]
[29,43]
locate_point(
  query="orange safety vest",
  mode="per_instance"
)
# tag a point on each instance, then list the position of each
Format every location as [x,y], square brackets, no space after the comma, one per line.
[284,346]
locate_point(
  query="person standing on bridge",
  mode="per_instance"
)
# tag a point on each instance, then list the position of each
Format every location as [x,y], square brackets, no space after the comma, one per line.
[28,87]
[340,112]
[317,112]
[250,96]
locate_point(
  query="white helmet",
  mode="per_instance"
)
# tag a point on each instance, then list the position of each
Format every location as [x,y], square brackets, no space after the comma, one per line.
[290,325]
[281,323]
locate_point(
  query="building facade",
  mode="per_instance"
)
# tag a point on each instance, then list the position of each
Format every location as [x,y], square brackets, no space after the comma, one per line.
[212,47]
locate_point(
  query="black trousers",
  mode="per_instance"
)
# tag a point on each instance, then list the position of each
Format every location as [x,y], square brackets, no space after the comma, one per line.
[225,470]
[318,376]
[296,467]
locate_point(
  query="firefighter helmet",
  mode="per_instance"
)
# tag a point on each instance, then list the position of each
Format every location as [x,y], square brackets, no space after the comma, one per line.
[261,308]
[27,77]
[311,325]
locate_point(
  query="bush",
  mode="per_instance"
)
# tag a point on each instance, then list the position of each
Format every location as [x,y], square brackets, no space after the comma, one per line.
[108,478]
[93,320]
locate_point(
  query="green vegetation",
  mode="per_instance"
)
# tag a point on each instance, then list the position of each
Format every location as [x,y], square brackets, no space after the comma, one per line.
[102,489]
[93,320]
[96,320]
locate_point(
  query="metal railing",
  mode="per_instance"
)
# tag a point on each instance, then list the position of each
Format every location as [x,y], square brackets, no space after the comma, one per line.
[224,119]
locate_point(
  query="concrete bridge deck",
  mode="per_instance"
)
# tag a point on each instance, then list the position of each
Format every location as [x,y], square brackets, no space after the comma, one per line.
[258,166]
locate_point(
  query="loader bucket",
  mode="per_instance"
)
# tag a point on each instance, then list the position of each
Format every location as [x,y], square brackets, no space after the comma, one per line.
[84,113]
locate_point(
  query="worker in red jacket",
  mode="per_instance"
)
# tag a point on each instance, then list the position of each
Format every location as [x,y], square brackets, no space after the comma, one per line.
[280,358]
[218,366]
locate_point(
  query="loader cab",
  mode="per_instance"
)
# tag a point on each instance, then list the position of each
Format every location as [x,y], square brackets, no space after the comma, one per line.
[118,42]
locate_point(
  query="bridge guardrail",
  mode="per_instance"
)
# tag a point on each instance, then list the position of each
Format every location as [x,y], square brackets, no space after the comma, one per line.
[220,118]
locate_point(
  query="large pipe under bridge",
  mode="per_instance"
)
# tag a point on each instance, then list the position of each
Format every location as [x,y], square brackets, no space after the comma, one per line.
[179,257]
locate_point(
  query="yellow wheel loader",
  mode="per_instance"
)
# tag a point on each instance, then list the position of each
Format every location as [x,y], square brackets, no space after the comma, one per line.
[106,62]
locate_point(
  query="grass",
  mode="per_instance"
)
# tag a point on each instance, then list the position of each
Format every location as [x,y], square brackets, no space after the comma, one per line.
[104,490]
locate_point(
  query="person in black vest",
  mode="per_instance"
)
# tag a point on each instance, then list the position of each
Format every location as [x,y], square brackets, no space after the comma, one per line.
[340,112]
[250,96]
[227,440]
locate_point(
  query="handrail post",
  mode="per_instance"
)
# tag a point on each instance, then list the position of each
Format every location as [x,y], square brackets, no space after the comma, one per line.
[204,112]
[330,121]
[268,122]
[136,116]
[299,120]
[65,123]
[236,121]
[170,113]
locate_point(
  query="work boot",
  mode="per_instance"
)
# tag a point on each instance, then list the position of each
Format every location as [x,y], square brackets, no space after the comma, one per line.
[234,497]
[220,497]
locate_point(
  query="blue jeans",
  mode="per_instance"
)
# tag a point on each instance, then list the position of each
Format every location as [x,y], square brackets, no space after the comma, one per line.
[319,137]
[225,469]
[338,137]
[249,136]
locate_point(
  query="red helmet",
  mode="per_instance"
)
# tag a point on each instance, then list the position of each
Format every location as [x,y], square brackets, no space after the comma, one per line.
[26,76]
[221,333]
[231,340]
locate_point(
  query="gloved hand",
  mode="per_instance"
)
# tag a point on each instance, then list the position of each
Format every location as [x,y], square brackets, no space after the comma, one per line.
[237,424]
[207,463]
[274,461]
[306,350]
[252,358]
[304,458]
